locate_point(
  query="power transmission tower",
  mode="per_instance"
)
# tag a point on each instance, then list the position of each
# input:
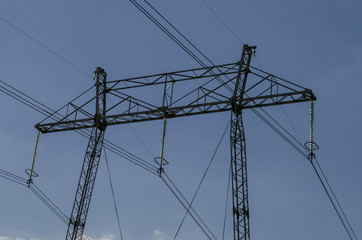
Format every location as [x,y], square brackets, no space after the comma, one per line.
[220,88]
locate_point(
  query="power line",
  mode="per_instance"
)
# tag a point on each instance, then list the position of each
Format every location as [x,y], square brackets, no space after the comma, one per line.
[182,200]
[238,38]
[174,38]
[291,124]
[335,197]
[144,11]
[226,202]
[114,198]
[227,26]
[45,47]
[50,113]
[49,204]
[332,198]
[39,193]
[141,141]
[222,21]
[202,180]
[178,42]
[36,191]
[12,177]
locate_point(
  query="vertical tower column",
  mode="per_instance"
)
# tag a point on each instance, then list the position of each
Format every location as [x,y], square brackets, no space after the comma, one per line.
[88,174]
[238,151]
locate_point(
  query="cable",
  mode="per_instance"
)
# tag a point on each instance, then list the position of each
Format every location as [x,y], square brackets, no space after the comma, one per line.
[291,124]
[40,194]
[12,177]
[333,204]
[141,141]
[323,179]
[144,11]
[301,151]
[36,191]
[226,203]
[279,125]
[179,198]
[131,157]
[182,35]
[55,115]
[193,214]
[202,180]
[36,188]
[45,47]
[221,20]
[237,37]
[50,205]
[335,197]
[114,198]
[227,27]
[173,38]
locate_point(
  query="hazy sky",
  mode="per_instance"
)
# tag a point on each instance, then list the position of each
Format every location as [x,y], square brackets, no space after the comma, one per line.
[316,44]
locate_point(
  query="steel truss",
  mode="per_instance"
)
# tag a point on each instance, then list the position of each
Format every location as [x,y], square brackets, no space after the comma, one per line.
[90,164]
[238,151]
[229,87]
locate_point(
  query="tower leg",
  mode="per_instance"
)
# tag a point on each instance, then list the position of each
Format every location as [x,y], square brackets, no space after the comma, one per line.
[238,151]
[85,186]
[91,162]
[239,178]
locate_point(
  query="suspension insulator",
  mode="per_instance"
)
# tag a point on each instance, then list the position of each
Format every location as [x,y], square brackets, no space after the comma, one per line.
[161,161]
[31,173]
[311,146]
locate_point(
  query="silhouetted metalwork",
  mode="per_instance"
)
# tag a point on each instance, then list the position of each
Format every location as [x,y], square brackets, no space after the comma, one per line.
[229,87]
[238,151]
[90,164]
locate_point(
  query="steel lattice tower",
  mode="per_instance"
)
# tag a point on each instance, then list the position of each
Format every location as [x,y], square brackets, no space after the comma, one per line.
[221,88]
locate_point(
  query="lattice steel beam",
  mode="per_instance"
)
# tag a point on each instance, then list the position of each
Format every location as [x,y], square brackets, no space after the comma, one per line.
[211,95]
[89,170]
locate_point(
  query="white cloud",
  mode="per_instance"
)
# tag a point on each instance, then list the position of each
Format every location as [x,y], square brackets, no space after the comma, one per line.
[104,237]
[16,238]
[158,235]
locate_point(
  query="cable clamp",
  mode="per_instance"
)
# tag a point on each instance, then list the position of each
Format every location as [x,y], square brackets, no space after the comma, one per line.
[160,162]
[31,173]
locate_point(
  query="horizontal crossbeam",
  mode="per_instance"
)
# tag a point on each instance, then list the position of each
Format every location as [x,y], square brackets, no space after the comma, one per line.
[196,91]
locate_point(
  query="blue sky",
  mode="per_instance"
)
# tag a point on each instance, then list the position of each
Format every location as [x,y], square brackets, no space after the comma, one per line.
[316,44]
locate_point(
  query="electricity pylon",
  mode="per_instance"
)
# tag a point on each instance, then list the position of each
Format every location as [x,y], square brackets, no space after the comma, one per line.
[222,88]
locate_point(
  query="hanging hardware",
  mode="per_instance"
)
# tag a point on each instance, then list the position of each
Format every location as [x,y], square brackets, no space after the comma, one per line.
[31,173]
[161,161]
[311,145]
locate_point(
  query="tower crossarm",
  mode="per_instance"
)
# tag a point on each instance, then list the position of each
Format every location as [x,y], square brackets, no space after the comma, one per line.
[209,93]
